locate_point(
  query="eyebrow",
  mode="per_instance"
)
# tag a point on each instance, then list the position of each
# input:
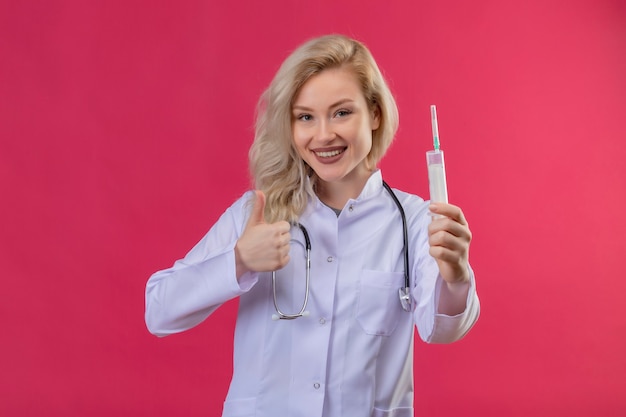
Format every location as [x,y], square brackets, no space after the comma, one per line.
[336,104]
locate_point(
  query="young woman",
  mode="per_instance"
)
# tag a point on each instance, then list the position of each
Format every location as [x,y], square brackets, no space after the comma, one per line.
[332,268]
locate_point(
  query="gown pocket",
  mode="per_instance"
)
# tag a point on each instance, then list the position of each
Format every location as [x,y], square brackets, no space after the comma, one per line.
[379,303]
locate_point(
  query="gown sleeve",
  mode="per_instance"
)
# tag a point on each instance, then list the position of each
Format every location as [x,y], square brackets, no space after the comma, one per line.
[184,295]
[426,285]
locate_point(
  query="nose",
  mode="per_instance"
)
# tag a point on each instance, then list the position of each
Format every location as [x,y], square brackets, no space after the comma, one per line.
[325,131]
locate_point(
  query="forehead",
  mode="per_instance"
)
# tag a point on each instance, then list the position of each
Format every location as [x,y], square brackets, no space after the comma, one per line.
[329,86]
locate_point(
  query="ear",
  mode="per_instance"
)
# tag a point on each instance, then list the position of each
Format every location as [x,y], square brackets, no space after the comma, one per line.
[375,117]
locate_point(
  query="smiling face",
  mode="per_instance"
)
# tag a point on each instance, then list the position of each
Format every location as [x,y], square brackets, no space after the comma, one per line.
[332,129]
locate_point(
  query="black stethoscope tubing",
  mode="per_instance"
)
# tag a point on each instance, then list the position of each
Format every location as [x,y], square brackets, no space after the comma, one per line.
[405,235]
[404,293]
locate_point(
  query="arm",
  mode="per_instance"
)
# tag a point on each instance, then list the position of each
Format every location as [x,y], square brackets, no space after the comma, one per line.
[222,266]
[458,306]
[184,295]
[447,305]
[449,239]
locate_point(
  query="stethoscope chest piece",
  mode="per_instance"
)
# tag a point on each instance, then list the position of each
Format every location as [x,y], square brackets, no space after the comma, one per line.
[405,298]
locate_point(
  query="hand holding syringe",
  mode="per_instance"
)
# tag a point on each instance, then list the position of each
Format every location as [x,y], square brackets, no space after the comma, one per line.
[436,167]
[449,239]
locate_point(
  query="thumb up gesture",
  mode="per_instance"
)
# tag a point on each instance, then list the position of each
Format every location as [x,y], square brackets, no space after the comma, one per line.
[262,246]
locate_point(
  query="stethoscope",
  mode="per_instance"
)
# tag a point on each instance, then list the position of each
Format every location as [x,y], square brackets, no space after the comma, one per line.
[403,292]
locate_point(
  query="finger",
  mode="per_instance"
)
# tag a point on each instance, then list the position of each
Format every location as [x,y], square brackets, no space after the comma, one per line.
[257,215]
[284,260]
[448,241]
[280,257]
[446,255]
[281,234]
[280,243]
[282,227]
[450,226]
[284,240]
[449,210]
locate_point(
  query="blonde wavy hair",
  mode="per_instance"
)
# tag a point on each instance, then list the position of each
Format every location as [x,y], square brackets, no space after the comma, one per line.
[275,165]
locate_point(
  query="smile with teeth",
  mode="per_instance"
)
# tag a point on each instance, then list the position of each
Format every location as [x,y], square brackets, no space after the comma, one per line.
[329,154]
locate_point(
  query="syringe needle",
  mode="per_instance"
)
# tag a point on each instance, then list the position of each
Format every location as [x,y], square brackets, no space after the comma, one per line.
[433,119]
[436,168]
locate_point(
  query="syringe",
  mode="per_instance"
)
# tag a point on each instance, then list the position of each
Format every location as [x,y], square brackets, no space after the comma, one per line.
[436,167]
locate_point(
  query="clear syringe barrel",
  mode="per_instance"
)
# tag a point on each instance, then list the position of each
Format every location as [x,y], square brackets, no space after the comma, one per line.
[437,176]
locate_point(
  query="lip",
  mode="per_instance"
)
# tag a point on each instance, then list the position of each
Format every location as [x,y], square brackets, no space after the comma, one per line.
[325,155]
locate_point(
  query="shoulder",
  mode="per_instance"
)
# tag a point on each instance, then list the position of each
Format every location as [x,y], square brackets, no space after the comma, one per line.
[240,208]
[235,217]
[412,204]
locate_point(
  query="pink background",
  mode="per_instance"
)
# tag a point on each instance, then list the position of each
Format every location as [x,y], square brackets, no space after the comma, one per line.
[124,131]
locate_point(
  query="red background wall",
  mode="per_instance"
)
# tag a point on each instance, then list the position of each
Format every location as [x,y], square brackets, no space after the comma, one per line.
[124,133]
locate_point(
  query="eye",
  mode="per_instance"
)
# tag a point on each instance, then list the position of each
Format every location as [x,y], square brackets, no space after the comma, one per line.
[304,117]
[343,113]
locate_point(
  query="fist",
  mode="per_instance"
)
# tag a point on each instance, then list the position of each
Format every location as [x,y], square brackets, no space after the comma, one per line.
[262,246]
[449,238]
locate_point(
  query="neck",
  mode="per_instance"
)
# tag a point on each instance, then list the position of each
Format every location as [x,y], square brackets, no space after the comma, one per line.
[337,193]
